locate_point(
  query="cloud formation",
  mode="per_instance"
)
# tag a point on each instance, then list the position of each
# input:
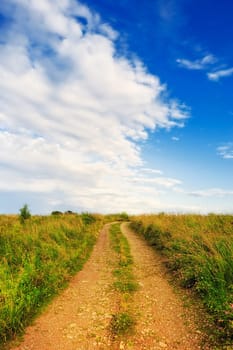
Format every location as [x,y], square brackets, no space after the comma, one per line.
[216,75]
[211,192]
[207,63]
[199,64]
[175,138]
[226,151]
[73,111]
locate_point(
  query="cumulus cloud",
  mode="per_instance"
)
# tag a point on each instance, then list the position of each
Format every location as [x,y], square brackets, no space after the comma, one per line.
[72,110]
[199,64]
[215,76]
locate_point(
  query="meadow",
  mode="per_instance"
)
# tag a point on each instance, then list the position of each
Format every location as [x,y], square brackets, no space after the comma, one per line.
[38,257]
[198,250]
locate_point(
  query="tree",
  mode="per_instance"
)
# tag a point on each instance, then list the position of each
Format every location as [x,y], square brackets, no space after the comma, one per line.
[56,212]
[24,213]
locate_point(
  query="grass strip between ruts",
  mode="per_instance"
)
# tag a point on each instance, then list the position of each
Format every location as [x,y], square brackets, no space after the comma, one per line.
[123,321]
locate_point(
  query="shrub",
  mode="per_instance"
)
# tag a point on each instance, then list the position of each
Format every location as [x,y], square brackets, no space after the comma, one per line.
[56,212]
[24,213]
[122,323]
[88,218]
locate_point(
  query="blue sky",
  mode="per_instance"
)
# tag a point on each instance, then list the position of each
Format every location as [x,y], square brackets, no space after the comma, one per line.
[116,106]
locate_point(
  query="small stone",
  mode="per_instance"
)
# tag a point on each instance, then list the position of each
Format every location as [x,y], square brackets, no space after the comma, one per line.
[73,325]
[122,345]
[162,344]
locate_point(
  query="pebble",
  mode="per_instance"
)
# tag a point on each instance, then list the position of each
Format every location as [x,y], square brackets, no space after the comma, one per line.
[122,345]
[162,344]
[73,325]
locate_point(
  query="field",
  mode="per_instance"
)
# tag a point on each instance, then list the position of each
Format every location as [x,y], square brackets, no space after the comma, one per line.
[38,257]
[199,251]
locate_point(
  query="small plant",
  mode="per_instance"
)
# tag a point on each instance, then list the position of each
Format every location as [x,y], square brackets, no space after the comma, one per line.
[56,212]
[69,212]
[122,323]
[123,216]
[24,213]
[126,286]
[88,218]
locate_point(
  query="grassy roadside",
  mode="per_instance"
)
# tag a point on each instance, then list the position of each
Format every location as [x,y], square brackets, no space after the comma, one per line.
[37,260]
[123,321]
[199,252]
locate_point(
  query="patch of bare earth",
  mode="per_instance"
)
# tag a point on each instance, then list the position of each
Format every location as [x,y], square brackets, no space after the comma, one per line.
[162,320]
[79,318]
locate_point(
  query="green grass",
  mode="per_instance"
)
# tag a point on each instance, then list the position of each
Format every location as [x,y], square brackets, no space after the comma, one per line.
[124,277]
[199,251]
[123,321]
[37,260]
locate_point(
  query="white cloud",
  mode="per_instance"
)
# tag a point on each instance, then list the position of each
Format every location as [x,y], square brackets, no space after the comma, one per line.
[211,192]
[205,63]
[160,181]
[151,171]
[174,138]
[215,76]
[226,151]
[72,110]
[199,64]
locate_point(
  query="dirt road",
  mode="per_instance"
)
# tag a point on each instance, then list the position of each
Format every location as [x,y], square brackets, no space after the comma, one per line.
[79,318]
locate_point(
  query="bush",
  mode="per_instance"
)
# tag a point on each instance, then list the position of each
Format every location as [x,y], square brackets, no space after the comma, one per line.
[24,213]
[88,218]
[56,212]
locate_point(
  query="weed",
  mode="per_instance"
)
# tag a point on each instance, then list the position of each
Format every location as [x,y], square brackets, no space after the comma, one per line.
[126,286]
[24,213]
[122,323]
